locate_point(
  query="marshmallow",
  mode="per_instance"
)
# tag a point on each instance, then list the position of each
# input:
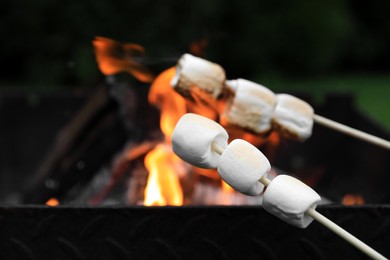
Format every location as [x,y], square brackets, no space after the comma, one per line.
[288,198]
[242,165]
[250,107]
[194,74]
[193,137]
[292,117]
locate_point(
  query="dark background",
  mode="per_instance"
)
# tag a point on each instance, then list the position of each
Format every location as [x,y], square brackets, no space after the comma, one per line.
[47,44]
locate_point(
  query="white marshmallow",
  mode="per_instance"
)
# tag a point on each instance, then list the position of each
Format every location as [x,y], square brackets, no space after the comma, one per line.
[250,107]
[192,139]
[293,117]
[242,165]
[288,198]
[194,73]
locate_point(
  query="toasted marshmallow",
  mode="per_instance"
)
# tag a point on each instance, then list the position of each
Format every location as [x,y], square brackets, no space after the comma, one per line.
[288,199]
[292,117]
[193,137]
[250,106]
[242,165]
[196,77]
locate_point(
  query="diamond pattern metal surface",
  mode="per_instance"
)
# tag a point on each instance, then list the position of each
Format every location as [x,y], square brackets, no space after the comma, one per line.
[184,233]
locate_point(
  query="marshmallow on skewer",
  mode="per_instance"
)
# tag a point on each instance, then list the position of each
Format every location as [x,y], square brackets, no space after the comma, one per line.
[292,117]
[250,106]
[193,138]
[242,166]
[285,197]
[194,73]
[288,199]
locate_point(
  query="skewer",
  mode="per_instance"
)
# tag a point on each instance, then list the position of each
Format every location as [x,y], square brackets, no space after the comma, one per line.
[210,78]
[344,234]
[204,143]
[351,131]
[323,220]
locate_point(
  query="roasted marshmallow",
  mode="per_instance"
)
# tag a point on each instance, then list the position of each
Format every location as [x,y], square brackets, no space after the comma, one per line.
[288,199]
[193,138]
[250,106]
[292,117]
[242,165]
[196,77]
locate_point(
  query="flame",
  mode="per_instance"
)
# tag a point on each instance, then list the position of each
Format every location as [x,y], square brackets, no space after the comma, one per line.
[114,57]
[226,187]
[170,103]
[52,202]
[352,199]
[163,186]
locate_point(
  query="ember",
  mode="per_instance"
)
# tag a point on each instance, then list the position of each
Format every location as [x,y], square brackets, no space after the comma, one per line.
[352,199]
[52,202]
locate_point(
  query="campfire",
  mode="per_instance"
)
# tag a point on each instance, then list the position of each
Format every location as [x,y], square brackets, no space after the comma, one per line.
[120,142]
[198,86]
[121,149]
[172,181]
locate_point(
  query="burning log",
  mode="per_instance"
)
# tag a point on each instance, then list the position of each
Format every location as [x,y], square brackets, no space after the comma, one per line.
[126,160]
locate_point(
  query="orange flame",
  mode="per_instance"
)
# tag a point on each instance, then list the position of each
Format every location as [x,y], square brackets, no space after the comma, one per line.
[226,187]
[352,199]
[114,57]
[52,202]
[170,103]
[163,186]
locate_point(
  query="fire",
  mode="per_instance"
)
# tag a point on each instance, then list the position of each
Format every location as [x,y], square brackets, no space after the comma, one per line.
[226,188]
[165,168]
[114,57]
[163,187]
[170,103]
[352,199]
[163,184]
[52,202]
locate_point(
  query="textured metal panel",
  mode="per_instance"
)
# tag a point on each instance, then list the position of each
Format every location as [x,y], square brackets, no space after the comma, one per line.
[184,233]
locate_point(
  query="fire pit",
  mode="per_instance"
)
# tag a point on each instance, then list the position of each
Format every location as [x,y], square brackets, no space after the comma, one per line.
[114,153]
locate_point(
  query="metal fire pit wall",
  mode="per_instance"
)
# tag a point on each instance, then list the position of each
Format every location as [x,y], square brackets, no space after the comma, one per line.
[184,233]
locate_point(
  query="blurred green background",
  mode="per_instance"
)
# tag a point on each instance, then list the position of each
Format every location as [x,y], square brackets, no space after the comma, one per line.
[313,46]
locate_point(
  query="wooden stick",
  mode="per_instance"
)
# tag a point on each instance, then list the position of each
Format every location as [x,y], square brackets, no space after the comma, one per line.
[323,220]
[352,132]
[336,229]
[344,234]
